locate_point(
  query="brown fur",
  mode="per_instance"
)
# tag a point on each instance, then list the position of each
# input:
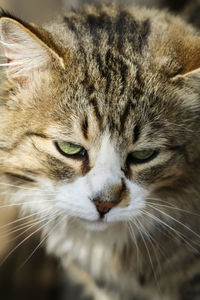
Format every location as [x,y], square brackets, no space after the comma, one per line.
[134,72]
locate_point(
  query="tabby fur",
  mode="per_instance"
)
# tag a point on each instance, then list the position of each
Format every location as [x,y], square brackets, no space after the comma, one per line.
[113,79]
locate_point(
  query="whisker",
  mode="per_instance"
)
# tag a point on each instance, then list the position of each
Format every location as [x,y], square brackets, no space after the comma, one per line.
[23,218]
[151,240]
[34,223]
[23,226]
[133,236]
[24,240]
[16,228]
[147,249]
[25,194]
[175,220]
[177,233]
[22,187]
[25,203]
[156,243]
[171,207]
[42,242]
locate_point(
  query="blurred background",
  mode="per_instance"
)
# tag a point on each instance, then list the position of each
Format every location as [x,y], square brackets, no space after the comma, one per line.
[32,10]
[41,277]
[40,11]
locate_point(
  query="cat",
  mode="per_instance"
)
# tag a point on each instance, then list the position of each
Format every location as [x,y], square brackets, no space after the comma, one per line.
[99,138]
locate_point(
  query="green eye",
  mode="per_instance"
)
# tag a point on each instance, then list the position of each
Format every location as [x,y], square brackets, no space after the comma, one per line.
[142,156]
[70,149]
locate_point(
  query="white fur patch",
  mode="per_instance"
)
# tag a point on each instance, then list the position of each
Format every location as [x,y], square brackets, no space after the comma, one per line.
[137,195]
[76,198]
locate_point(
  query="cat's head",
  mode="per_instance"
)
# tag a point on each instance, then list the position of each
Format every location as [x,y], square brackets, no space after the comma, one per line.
[99,112]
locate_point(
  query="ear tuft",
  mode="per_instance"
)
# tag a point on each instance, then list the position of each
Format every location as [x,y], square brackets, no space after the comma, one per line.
[24,50]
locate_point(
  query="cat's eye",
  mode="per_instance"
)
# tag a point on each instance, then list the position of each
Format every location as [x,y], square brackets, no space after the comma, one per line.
[70,149]
[142,156]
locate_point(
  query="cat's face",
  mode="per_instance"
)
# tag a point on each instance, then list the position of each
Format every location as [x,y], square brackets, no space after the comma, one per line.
[99,132]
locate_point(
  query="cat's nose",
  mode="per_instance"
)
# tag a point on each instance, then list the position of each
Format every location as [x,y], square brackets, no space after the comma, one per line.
[110,198]
[104,207]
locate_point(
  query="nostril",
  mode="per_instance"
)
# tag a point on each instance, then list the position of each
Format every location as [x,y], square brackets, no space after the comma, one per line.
[104,207]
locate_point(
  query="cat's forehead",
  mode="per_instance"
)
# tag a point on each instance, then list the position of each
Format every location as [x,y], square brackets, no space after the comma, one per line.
[116,80]
[116,99]
[113,66]
[113,37]
[121,100]
[84,116]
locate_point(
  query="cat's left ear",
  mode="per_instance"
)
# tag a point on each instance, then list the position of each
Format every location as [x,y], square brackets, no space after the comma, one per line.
[26,47]
[186,46]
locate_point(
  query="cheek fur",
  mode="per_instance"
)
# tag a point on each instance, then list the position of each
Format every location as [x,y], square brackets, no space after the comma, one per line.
[133,209]
[74,198]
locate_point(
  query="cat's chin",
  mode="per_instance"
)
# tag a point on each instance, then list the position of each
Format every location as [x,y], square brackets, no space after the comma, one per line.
[94,225]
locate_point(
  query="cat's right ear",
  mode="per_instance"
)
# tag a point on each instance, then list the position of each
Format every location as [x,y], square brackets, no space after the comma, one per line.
[26,48]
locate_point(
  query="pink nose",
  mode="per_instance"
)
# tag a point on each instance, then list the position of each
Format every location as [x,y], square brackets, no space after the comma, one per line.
[104,207]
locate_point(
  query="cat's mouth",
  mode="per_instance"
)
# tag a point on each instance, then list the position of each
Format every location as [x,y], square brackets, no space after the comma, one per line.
[98,225]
